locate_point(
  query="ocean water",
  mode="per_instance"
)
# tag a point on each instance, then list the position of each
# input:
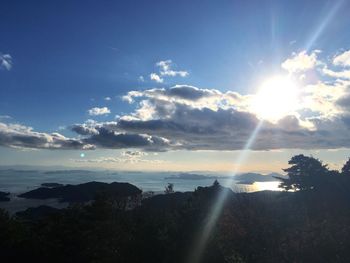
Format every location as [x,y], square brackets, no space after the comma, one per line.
[20,181]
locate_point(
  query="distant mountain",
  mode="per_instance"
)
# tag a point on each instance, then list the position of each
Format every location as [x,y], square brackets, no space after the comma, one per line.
[250,178]
[83,192]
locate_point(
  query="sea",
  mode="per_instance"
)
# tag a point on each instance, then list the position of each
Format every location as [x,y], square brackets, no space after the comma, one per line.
[20,181]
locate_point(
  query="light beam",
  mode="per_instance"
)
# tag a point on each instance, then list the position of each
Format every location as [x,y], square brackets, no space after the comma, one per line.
[203,237]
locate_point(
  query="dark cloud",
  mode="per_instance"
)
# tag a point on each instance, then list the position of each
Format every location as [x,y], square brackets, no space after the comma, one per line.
[18,136]
[188,92]
[206,129]
[107,138]
[163,121]
[83,129]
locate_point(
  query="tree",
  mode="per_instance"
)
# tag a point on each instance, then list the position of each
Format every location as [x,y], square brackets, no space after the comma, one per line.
[346,168]
[216,183]
[305,173]
[169,189]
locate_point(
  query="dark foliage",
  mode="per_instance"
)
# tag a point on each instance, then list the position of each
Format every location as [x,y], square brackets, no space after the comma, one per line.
[4,196]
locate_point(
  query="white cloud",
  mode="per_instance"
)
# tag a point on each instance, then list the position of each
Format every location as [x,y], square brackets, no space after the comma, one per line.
[107,98]
[342,59]
[5,61]
[344,74]
[300,62]
[141,79]
[99,111]
[4,117]
[155,77]
[166,69]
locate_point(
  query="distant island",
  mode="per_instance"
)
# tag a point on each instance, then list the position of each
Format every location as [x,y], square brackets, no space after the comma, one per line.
[82,192]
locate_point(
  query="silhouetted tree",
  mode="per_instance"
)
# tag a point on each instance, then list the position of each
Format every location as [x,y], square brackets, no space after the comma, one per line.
[346,168]
[305,173]
[216,183]
[169,189]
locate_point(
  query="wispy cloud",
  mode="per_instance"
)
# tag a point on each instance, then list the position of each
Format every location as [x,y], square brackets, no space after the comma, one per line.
[166,70]
[126,157]
[6,61]
[5,117]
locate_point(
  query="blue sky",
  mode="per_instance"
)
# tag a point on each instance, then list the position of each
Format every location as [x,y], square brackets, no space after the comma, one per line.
[68,56]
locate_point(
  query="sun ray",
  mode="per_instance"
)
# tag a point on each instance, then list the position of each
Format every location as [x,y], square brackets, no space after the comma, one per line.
[215,211]
[322,26]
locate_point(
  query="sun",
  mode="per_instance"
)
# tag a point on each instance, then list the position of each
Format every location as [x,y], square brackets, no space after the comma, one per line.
[276,98]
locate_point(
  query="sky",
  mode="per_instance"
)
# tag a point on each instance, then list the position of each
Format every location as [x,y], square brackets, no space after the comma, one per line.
[174,85]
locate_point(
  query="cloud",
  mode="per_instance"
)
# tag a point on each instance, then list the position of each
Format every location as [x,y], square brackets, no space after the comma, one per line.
[118,160]
[99,111]
[155,77]
[300,62]
[5,61]
[342,59]
[19,136]
[186,94]
[166,69]
[132,157]
[134,154]
[344,74]
[190,118]
[5,117]
[107,98]
[108,138]
[141,79]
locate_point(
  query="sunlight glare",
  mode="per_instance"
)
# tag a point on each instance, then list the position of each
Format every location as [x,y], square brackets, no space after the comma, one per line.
[276,98]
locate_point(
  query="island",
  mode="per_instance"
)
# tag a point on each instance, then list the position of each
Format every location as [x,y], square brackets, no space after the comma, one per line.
[84,192]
